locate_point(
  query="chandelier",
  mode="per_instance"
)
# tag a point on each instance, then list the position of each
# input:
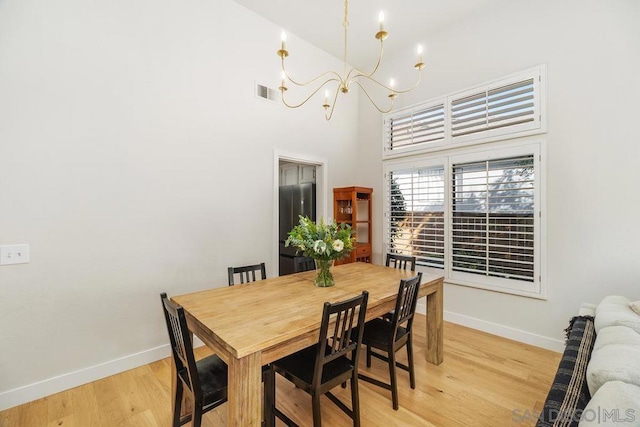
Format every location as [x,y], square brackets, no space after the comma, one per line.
[347,78]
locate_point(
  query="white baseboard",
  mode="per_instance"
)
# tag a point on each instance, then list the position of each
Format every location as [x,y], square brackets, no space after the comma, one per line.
[500,330]
[28,393]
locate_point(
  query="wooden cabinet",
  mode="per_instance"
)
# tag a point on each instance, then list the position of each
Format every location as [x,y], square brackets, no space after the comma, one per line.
[352,205]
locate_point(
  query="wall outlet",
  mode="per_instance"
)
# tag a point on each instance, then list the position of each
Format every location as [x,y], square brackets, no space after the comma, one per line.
[14,254]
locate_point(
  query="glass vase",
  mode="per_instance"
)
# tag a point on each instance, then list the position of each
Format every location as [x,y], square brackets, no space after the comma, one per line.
[324,277]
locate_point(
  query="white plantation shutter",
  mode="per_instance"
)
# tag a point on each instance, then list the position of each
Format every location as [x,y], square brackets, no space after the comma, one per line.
[492,218]
[414,128]
[476,214]
[498,107]
[464,186]
[510,106]
[415,211]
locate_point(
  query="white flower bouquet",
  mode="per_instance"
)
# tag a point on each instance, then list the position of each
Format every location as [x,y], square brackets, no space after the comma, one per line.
[324,243]
[320,240]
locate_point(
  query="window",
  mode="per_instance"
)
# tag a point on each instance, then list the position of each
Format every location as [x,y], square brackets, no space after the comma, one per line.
[464,181]
[416,214]
[511,106]
[492,218]
[415,127]
[505,106]
[476,215]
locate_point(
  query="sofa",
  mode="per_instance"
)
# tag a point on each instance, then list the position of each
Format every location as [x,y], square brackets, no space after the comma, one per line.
[598,378]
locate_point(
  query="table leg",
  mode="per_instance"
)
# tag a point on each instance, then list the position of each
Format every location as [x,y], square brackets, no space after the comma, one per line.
[244,393]
[435,334]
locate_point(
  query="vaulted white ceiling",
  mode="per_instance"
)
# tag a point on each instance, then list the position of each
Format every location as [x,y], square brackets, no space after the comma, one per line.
[408,22]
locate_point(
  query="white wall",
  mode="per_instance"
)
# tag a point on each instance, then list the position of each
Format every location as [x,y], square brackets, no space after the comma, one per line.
[135,159]
[592,51]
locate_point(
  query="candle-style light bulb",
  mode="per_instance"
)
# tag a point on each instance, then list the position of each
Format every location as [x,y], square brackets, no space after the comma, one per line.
[283,40]
[392,95]
[381,20]
[326,96]
[419,64]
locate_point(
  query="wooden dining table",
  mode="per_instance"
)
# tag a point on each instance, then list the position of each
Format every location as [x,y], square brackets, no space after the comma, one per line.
[254,324]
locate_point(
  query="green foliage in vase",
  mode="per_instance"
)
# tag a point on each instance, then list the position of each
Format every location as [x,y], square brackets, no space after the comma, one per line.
[320,240]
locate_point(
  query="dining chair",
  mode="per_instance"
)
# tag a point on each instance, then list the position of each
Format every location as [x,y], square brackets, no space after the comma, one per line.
[331,362]
[303,263]
[204,381]
[391,335]
[247,273]
[401,261]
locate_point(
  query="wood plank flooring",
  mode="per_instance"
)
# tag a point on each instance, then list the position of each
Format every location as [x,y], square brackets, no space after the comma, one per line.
[484,380]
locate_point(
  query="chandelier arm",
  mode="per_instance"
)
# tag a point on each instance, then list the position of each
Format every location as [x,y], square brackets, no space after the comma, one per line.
[339,78]
[389,88]
[371,99]
[333,106]
[412,87]
[359,73]
[308,97]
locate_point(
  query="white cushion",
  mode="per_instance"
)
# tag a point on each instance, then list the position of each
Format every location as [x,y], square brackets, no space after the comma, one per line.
[613,362]
[615,404]
[617,335]
[615,311]
[635,306]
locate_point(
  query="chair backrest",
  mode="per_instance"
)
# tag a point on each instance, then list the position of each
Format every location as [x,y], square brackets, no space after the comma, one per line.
[339,320]
[303,263]
[406,303]
[181,345]
[247,273]
[401,261]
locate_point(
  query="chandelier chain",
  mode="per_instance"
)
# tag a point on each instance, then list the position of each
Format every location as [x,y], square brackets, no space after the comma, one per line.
[345,24]
[346,13]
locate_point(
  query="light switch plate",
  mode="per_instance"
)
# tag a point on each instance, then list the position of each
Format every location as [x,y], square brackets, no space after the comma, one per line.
[14,254]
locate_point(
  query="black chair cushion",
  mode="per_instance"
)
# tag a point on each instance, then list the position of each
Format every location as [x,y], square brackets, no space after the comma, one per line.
[301,365]
[213,378]
[378,331]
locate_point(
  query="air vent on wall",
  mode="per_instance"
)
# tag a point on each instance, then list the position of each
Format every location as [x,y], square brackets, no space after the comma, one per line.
[267,93]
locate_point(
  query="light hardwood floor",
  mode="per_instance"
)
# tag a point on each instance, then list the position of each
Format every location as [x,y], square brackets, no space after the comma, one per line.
[484,380]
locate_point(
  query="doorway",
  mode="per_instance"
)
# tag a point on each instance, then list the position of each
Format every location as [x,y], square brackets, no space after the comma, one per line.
[299,189]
